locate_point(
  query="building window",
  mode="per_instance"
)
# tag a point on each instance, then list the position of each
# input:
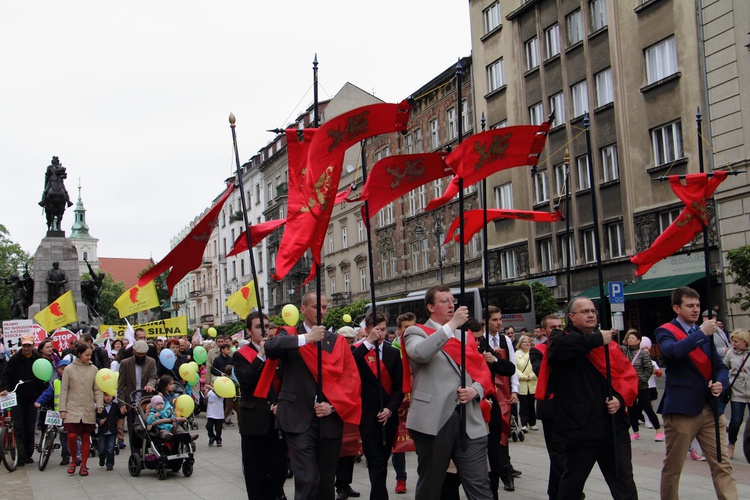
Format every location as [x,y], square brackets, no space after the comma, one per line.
[557,106]
[422,196]
[589,253]
[415,257]
[667,218]
[564,241]
[575,27]
[418,144]
[552,40]
[385,215]
[426,252]
[333,285]
[270,192]
[532,53]
[616,238]
[434,134]
[362,279]
[347,283]
[546,263]
[495,75]
[598,14]
[344,238]
[242,267]
[491,16]
[582,166]
[394,263]
[580,92]
[473,247]
[464,116]
[360,231]
[383,266]
[500,124]
[610,170]
[504,196]
[667,141]
[409,144]
[604,89]
[508,264]
[541,192]
[451,116]
[437,188]
[330,242]
[536,114]
[413,203]
[661,60]
[260,263]
[560,176]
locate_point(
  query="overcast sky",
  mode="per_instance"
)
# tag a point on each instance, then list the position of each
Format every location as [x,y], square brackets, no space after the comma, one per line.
[134,96]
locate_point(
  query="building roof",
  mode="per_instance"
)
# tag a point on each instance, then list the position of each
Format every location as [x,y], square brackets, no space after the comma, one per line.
[125,270]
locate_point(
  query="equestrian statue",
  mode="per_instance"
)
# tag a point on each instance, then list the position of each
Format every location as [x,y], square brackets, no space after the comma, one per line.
[55,196]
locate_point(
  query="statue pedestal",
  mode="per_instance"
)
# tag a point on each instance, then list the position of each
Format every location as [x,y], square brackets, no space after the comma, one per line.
[62,250]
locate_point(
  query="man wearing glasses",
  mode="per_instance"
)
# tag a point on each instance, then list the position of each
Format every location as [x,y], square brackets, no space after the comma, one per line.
[437,398]
[583,412]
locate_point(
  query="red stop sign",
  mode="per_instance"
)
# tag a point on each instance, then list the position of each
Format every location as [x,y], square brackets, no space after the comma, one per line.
[62,339]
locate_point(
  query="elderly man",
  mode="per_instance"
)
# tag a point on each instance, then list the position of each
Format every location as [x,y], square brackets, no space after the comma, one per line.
[583,411]
[137,372]
[438,398]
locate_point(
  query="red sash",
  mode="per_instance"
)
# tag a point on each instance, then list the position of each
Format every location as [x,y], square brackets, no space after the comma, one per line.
[385,376]
[697,355]
[339,387]
[543,378]
[266,375]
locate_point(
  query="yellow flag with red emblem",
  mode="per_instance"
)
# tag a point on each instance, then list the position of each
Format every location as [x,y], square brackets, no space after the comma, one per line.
[59,313]
[136,299]
[243,300]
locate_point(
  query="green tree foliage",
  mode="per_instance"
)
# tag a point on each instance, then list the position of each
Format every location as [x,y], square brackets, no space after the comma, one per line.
[229,328]
[110,292]
[739,268]
[334,317]
[12,261]
[544,301]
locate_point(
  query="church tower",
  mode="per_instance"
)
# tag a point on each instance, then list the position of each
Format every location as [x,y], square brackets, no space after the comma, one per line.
[80,237]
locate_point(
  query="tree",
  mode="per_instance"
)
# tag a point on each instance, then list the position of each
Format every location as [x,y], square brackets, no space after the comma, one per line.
[739,268]
[544,301]
[109,293]
[334,318]
[12,261]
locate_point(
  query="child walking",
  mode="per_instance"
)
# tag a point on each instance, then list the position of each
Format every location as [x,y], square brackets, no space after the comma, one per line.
[107,433]
[214,416]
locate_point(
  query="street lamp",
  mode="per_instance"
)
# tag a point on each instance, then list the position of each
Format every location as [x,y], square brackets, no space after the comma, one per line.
[438,232]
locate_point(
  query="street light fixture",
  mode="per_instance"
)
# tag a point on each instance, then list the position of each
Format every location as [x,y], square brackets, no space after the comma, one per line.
[438,232]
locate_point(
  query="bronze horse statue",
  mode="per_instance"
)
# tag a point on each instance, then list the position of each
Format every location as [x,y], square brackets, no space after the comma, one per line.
[55,197]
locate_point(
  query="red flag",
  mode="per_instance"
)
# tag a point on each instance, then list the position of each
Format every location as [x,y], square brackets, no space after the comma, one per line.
[258,233]
[395,176]
[474,220]
[188,253]
[486,153]
[696,191]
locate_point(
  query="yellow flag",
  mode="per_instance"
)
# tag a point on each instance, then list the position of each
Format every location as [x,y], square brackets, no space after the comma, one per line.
[59,313]
[138,298]
[243,300]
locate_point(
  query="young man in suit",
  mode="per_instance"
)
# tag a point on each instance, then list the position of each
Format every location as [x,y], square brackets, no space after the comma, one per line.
[263,446]
[438,399]
[381,397]
[695,376]
[313,423]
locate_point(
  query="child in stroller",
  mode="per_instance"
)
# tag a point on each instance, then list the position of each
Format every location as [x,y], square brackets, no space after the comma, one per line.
[163,419]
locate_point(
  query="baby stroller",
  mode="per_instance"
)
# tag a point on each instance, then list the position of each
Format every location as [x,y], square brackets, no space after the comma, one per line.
[156,453]
[516,434]
[179,390]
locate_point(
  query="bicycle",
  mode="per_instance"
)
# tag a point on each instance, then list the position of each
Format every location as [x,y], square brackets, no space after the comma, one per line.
[53,422]
[8,444]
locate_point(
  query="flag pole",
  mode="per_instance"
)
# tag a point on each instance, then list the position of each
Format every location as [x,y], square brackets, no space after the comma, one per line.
[485,252]
[318,287]
[600,276]
[707,263]
[373,310]
[462,281]
[569,267]
[243,203]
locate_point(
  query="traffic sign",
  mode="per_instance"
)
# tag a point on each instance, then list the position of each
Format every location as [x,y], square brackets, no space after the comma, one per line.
[616,292]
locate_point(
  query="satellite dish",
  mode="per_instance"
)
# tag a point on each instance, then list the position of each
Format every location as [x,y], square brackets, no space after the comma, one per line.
[349,169]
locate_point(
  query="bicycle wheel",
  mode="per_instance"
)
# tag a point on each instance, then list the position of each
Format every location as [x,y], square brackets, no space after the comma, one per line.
[48,444]
[9,450]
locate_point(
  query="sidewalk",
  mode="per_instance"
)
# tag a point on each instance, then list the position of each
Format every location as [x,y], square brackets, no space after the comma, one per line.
[218,474]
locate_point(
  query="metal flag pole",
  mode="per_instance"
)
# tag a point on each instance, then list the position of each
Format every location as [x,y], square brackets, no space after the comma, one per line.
[707,263]
[247,223]
[485,252]
[459,73]
[318,287]
[600,276]
[568,256]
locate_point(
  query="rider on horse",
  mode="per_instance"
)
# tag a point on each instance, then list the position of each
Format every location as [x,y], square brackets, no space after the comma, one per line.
[53,169]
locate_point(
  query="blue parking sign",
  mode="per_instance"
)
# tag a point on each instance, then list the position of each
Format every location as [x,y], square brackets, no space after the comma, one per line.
[616,292]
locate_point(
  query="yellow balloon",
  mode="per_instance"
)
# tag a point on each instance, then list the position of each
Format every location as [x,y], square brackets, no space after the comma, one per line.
[212,332]
[224,387]
[184,406]
[290,314]
[193,366]
[187,372]
[106,380]
[347,318]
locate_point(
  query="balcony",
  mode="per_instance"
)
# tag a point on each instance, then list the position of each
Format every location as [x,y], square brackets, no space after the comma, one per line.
[196,293]
[341,299]
[282,189]
[206,262]
[207,318]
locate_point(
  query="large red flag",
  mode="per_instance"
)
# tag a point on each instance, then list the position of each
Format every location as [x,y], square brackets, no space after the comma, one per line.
[695,193]
[474,220]
[486,153]
[258,233]
[188,253]
[395,176]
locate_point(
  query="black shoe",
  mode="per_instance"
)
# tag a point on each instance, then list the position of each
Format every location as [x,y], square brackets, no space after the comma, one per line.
[351,493]
[109,467]
[101,462]
[65,461]
[516,473]
[29,460]
[121,444]
[341,495]
[509,486]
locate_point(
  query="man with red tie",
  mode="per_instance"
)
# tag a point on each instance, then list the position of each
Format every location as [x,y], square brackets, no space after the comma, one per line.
[381,372]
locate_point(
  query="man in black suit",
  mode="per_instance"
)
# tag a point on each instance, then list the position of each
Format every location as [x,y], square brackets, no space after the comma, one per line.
[381,372]
[313,423]
[263,446]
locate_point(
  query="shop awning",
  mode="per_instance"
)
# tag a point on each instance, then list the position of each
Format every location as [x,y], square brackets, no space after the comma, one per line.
[593,293]
[659,287]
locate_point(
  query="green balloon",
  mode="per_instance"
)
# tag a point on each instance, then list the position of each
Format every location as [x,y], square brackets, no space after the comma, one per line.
[200,355]
[197,379]
[42,369]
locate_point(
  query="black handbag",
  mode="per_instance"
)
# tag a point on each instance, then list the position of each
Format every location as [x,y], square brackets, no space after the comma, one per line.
[726,394]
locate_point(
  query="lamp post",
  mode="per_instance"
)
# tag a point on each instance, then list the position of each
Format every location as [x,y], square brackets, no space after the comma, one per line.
[438,232]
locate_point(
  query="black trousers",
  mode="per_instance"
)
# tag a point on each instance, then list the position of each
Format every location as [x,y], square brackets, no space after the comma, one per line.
[24,414]
[264,464]
[580,459]
[643,403]
[214,426]
[344,472]
[314,463]
[377,454]
[556,452]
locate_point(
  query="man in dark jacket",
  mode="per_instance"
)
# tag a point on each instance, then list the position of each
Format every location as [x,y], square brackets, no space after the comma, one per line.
[583,411]
[263,446]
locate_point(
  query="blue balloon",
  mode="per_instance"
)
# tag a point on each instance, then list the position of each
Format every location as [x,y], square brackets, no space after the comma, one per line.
[167,358]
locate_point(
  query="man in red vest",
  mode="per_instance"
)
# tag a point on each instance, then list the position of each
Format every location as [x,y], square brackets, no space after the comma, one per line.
[695,376]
